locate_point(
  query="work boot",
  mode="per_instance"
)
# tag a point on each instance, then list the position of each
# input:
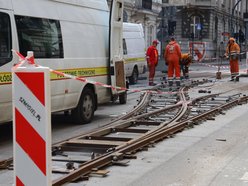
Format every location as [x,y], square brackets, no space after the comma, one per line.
[152,84]
[165,79]
[232,78]
[170,83]
[178,83]
[237,78]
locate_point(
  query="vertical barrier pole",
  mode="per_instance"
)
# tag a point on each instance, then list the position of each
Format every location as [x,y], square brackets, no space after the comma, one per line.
[31,125]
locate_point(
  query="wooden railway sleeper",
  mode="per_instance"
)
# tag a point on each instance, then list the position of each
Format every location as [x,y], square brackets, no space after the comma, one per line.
[165,99]
[205,106]
[6,164]
[57,150]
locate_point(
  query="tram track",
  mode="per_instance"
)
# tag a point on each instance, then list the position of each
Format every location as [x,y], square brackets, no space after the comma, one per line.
[116,152]
[157,116]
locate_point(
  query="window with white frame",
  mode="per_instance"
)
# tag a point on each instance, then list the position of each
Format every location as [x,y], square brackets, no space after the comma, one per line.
[195,26]
[150,35]
[238,7]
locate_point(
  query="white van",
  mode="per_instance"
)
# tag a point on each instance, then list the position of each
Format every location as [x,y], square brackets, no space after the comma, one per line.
[70,36]
[134,51]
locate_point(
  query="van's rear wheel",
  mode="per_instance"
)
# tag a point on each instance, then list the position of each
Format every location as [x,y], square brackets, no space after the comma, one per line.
[84,112]
[134,78]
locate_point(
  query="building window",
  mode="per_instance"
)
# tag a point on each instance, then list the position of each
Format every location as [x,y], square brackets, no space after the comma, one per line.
[223,30]
[165,1]
[42,36]
[5,39]
[195,27]
[171,27]
[150,35]
[238,7]
[147,4]
[215,34]
[222,3]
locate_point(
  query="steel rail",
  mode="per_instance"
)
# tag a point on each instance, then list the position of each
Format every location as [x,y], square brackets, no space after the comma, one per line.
[143,102]
[138,144]
[107,158]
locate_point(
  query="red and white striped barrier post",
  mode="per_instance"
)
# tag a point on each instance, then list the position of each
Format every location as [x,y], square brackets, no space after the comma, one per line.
[31,124]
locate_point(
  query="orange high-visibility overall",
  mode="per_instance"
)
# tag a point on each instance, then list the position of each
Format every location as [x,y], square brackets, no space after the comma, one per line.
[233,50]
[172,56]
[152,61]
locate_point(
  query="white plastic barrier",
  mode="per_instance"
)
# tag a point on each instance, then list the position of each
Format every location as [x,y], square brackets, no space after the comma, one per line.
[31,124]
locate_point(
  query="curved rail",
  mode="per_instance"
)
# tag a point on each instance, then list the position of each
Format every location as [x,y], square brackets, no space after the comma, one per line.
[163,130]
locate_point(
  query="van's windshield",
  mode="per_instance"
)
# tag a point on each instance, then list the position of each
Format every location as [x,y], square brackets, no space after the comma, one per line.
[5,39]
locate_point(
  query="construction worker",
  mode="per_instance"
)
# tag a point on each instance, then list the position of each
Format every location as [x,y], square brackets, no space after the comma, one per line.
[185,61]
[152,61]
[232,52]
[172,56]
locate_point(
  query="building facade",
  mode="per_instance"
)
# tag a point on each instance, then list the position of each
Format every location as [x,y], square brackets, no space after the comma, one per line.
[203,27]
[145,12]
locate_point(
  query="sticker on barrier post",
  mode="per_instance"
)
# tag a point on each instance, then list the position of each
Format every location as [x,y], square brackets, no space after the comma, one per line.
[31,123]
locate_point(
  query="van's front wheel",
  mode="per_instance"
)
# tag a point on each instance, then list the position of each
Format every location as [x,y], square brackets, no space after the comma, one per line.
[84,112]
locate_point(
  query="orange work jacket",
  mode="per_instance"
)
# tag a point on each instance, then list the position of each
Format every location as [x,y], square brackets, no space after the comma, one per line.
[152,55]
[186,59]
[172,52]
[233,49]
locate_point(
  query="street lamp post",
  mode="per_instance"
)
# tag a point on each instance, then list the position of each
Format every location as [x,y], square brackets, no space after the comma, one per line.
[231,25]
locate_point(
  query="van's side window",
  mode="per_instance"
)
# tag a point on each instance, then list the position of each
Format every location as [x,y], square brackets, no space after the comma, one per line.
[5,39]
[124,47]
[43,36]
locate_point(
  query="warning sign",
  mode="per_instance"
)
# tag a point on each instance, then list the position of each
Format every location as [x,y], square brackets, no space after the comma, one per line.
[198,49]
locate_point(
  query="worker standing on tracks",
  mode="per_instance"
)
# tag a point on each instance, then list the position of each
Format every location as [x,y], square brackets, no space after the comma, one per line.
[185,62]
[152,61]
[172,56]
[232,52]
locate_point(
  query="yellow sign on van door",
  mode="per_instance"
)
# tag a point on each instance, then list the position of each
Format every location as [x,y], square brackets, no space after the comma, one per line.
[81,72]
[6,77]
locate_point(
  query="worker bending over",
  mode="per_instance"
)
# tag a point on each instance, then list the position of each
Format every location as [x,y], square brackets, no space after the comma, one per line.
[186,60]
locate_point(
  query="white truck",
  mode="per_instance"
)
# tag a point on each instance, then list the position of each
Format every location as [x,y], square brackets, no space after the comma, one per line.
[134,51]
[79,37]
